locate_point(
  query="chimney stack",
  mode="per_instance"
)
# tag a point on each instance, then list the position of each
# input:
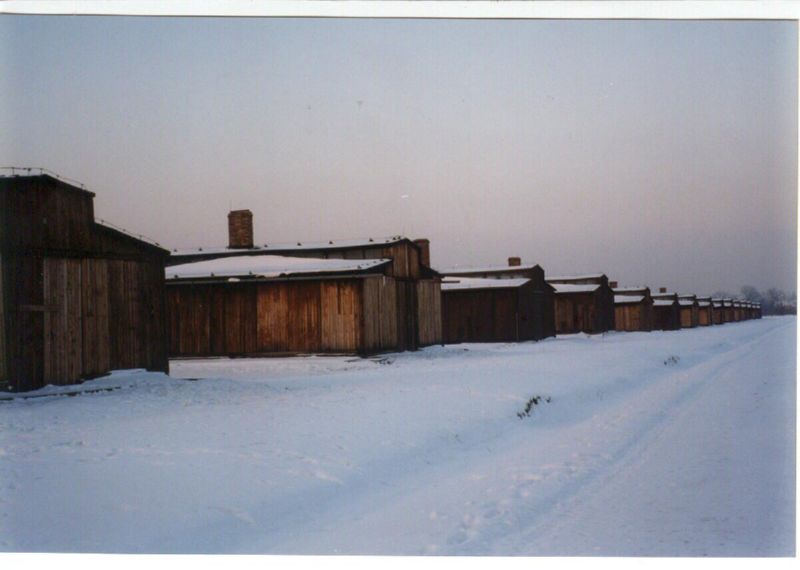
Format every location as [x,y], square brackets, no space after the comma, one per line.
[240,229]
[612,284]
[662,289]
[514,262]
[424,251]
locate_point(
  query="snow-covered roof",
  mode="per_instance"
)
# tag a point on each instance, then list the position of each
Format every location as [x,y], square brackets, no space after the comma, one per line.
[663,303]
[296,246]
[486,269]
[576,277]
[686,302]
[704,303]
[267,266]
[571,288]
[461,283]
[630,290]
[626,299]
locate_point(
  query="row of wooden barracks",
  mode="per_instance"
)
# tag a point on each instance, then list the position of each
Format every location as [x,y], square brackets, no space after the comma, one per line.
[81,298]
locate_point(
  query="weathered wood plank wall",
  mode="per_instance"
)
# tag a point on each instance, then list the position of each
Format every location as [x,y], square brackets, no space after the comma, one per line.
[667,318]
[341,313]
[96,323]
[576,313]
[631,317]
[489,315]
[689,317]
[80,298]
[267,317]
[429,312]
[380,330]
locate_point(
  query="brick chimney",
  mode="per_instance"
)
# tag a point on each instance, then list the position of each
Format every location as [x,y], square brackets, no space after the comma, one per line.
[662,289]
[240,229]
[612,284]
[424,251]
[514,261]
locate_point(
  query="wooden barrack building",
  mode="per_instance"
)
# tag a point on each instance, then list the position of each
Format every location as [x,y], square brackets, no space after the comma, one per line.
[633,308]
[690,314]
[718,311]
[534,317]
[478,309]
[705,311]
[667,310]
[78,298]
[345,296]
[728,310]
[584,303]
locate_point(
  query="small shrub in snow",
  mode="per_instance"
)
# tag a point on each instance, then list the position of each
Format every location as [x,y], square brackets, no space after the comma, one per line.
[671,361]
[534,401]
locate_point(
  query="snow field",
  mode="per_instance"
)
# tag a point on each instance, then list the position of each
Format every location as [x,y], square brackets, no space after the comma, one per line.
[664,443]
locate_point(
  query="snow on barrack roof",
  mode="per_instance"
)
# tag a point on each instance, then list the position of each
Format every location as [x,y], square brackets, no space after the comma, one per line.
[624,299]
[462,283]
[625,290]
[485,269]
[663,303]
[576,277]
[297,246]
[267,266]
[571,288]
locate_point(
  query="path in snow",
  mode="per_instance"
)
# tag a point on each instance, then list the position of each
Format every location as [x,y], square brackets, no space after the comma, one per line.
[669,443]
[714,477]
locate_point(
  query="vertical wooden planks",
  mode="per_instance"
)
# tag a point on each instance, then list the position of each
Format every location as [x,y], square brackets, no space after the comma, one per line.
[68,329]
[388,324]
[429,312]
[240,330]
[63,331]
[25,292]
[116,305]
[95,316]
[157,344]
[198,315]
[136,311]
[380,314]
[340,306]
[289,317]
[54,320]
[215,311]
[686,317]
[173,299]
[304,317]
[370,313]
[74,331]
[272,307]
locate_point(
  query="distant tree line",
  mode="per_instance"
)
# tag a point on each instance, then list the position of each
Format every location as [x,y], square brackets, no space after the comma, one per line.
[773,301]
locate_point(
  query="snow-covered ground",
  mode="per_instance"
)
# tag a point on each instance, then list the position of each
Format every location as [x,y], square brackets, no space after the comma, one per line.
[668,443]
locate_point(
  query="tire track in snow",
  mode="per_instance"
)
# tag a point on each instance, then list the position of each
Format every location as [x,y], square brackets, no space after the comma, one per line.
[516,535]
